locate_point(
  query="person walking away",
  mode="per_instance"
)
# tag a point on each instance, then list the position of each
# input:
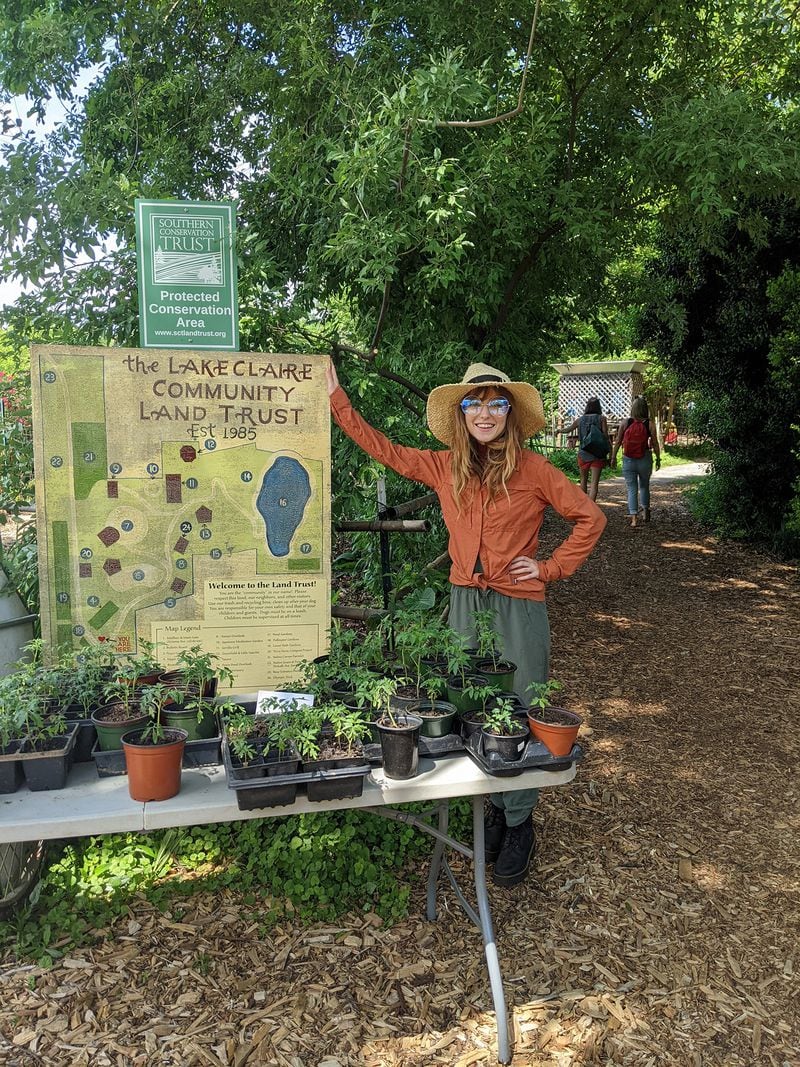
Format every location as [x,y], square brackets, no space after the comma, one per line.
[639,444]
[493,494]
[594,445]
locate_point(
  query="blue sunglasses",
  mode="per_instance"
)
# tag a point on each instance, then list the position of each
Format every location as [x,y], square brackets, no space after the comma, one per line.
[498,407]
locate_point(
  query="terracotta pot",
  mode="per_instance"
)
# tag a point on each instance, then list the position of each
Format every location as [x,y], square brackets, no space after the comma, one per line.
[177,680]
[559,736]
[154,771]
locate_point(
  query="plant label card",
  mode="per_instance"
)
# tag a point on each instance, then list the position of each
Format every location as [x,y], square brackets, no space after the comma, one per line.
[273,702]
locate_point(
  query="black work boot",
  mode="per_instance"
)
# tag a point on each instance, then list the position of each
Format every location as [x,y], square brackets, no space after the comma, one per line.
[494,830]
[515,855]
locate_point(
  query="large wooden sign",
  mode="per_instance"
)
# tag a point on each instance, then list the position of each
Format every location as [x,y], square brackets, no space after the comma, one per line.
[184,498]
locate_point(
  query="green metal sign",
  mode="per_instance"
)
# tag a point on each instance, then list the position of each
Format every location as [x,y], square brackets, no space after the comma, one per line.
[186,265]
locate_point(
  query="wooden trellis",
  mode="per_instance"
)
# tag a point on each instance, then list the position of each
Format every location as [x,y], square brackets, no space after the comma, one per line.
[614,382]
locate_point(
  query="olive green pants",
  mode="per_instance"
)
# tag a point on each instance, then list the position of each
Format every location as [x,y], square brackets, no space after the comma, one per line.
[524,633]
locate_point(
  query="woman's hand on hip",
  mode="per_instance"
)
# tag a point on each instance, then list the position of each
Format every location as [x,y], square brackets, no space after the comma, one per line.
[522,568]
[331,377]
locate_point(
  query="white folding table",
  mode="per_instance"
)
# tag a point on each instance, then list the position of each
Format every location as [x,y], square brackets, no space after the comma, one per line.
[90,805]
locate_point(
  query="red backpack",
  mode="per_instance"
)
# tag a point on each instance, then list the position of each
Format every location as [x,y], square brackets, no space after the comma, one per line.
[636,438]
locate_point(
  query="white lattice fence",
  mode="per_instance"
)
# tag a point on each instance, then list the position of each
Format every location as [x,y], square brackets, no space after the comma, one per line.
[614,390]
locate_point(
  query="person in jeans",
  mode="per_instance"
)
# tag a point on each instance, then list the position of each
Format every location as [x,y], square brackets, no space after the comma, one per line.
[493,494]
[639,444]
[589,465]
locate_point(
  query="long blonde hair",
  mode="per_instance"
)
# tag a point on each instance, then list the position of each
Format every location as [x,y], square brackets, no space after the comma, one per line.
[492,464]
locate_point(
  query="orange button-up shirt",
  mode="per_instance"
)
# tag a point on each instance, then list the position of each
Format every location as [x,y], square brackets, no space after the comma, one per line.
[496,534]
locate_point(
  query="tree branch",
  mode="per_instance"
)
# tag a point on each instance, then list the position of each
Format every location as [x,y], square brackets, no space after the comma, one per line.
[523,267]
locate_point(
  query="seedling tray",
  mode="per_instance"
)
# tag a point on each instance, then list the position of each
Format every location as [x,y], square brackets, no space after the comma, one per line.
[278,790]
[202,753]
[535,756]
[429,747]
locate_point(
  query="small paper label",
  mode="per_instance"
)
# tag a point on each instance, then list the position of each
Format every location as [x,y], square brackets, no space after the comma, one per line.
[273,702]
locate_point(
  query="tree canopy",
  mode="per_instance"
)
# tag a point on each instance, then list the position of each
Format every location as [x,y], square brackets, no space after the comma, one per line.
[381,209]
[727,321]
[323,121]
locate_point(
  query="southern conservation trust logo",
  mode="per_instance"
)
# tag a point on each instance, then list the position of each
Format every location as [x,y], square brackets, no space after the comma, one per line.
[187,248]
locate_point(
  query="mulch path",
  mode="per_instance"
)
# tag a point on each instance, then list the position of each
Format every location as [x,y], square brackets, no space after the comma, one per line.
[661,926]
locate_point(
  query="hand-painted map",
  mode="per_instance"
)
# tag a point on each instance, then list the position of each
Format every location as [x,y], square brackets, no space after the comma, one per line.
[184,498]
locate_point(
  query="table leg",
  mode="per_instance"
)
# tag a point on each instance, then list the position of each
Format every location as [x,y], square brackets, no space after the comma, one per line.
[442,816]
[487,930]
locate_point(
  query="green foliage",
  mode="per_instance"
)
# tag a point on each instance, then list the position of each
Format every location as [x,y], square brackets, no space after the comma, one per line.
[486,635]
[308,867]
[566,460]
[498,718]
[199,668]
[726,321]
[419,635]
[540,694]
[16,439]
[153,699]
[20,561]
[326,126]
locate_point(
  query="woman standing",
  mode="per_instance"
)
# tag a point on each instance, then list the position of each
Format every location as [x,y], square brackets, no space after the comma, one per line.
[589,462]
[493,493]
[639,445]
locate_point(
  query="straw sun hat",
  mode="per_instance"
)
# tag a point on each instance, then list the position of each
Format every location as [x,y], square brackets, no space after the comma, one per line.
[443,401]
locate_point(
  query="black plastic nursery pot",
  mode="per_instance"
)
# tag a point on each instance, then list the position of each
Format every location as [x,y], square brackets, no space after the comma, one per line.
[508,747]
[84,742]
[48,767]
[400,745]
[335,786]
[251,783]
[471,721]
[11,776]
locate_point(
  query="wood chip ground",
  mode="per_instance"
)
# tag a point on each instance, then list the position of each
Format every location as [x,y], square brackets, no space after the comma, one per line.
[660,926]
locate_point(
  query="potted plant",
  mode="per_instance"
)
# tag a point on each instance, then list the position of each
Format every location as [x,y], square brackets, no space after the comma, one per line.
[13,716]
[195,680]
[418,640]
[121,711]
[154,752]
[82,680]
[257,759]
[465,686]
[143,668]
[502,732]
[328,738]
[254,749]
[557,728]
[398,731]
[46,750]
[437,716]
[489,661]
[351,658]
